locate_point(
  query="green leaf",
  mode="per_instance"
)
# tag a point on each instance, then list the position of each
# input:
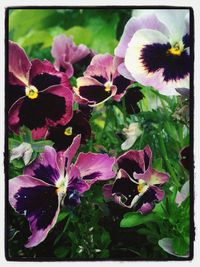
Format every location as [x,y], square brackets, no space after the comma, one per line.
[105,239]
[21,21]
[133,219]
[13,143]
[36,37]
[62,215]
[38,146]
[61,252]
[80,35]
[179,246]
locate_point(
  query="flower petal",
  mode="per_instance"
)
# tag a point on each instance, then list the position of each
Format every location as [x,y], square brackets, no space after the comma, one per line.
[45,167]
[153,66]
[149,21]
[167,245]
[93,91]
[77,125]
[102,65]
[64,159]
[153,177]
[95,167]
[43,75]
[19,64]
[135,161]
[121,83]
[183,194]
[38,202]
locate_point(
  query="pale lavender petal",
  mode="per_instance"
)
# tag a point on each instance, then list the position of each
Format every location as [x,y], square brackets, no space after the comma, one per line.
[183,194]
[135,24]
[167,245]
[95,167]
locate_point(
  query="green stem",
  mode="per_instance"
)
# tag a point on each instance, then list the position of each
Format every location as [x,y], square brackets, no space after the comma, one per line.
[165,156]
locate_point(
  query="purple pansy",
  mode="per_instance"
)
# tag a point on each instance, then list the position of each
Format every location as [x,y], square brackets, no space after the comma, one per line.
[63,135]
[137,185]
[52,179]
[101,81]
[39,95]
[66,53]
[185,157]
[154,49]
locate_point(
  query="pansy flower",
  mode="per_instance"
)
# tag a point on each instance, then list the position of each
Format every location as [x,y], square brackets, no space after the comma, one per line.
[137,185]
[66,54]
[101,81]
[51,180]
[63,135]
[154,49]
[42,96]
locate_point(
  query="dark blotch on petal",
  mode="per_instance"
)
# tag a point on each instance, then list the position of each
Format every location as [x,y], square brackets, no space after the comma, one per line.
[132,97]
[79,124]
[34,112]
[46,174]
[37,203]
[13,93]
[148,197]
[125,187]
[146,160]
[45,80]
[121,83]
[100,79]
[94,93]
[155,57]
[186,40]
[129,165]
[92,176]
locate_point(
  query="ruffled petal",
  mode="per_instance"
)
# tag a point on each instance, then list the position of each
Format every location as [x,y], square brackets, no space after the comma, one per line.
[153,177]
[153,66]
[135,161]
[43,75]
[93,167]
[101,65]
[93,91]
[38,202]
[148,21]
[19,64]
[64,159]
[45,167]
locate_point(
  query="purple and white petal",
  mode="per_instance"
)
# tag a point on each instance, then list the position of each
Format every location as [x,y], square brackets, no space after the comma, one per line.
[19,64]
[149,71]
[45,167]
[153,177]
[148,21]
[94,167]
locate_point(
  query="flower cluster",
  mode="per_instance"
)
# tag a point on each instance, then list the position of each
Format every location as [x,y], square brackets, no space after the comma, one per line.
[41,97]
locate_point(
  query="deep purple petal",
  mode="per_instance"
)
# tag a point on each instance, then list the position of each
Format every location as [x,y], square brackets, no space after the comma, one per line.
[135,161]
[43,75]
[185,157]
[78,125]
[121,83]
[19,64]
[132,97]
[38,202]
[45,167]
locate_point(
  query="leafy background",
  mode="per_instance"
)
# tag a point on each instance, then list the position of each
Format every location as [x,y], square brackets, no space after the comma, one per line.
[96,229]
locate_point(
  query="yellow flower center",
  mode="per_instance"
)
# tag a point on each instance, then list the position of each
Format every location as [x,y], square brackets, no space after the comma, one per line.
[108,86]
[61,186]
[68,131]
[31,92]
[176,50]
[142,186]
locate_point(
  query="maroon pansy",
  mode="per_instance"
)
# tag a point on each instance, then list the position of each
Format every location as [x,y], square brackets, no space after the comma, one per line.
[137,185]
[39,95]
[101,81]
[63,135]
